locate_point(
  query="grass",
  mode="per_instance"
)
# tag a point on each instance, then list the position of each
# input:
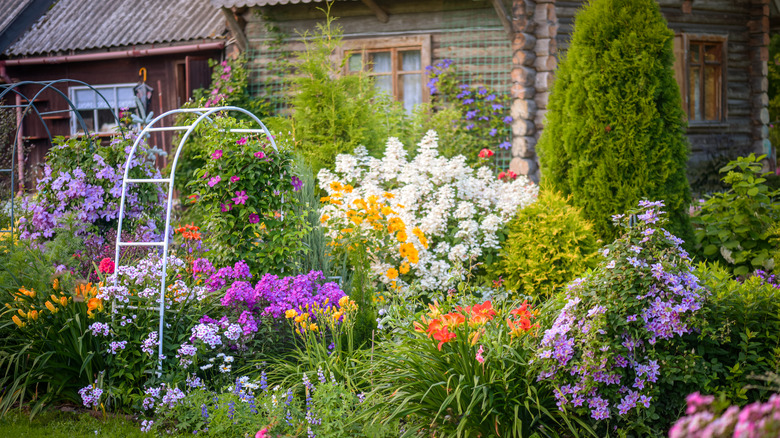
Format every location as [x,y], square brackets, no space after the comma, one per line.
[58,424]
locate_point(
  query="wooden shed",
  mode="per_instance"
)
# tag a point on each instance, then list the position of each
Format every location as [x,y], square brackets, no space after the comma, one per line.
[513,46]
[112,45]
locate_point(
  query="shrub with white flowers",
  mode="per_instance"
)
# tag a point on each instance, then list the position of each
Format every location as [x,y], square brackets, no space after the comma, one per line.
[459,209]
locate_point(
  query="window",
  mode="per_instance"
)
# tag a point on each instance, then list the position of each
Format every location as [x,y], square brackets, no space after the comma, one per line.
[99,116]
[700,71]
[397,64]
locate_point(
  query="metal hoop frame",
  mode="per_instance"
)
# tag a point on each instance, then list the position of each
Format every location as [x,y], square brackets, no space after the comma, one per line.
[203,114]
[13,89]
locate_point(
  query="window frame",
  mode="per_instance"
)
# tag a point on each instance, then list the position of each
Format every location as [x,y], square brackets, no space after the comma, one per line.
[393,45]
[74,126]
[682,68]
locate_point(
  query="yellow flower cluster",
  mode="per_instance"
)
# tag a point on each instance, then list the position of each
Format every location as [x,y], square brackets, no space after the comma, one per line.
[329,316]
[377,215]
[25,302]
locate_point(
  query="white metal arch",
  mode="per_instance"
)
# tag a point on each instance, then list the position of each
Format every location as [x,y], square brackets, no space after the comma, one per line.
[203,114]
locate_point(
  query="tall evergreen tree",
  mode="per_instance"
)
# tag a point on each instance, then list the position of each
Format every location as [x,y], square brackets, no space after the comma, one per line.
[615,127]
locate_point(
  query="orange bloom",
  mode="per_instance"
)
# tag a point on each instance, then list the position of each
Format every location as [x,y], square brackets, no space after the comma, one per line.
[443,336]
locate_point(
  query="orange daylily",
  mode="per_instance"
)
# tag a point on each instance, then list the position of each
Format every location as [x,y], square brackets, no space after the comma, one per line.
[443,335]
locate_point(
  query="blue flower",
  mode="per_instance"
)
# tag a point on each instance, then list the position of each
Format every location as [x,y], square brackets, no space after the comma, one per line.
[505,145]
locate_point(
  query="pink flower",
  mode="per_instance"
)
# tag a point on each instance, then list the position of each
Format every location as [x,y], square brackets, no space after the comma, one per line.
[254,218]
[241,140]
[241,197]
[226,207]
[234,178]
[479,357]
[106,266]
[217,154]
[262,433]
[214,181]
[259,154]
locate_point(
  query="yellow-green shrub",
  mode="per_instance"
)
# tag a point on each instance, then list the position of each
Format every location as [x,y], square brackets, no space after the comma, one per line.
[548,244]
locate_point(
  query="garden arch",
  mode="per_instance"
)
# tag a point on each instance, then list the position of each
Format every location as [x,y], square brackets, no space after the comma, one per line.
[203,114]
[24,105]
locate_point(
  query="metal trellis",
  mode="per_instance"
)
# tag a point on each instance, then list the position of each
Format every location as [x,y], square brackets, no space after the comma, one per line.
[14,90]
[203,114]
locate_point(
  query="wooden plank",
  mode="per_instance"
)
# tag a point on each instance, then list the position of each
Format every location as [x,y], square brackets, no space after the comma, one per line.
[503,16]
[381,15]
[235,29]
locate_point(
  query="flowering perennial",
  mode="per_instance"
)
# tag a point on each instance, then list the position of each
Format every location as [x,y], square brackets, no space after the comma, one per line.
[606,349]
[458,210]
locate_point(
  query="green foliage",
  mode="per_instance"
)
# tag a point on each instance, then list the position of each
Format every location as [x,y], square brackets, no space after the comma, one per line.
[321,407]
[229,87]
[468,375]
[482,121]
[736,227]
[548,244]
[614,131]
[741,338]
[44,355]
[332,113]
[245,197]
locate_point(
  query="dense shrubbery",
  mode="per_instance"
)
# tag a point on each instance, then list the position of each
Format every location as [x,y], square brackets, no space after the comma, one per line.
[614,131]
[548,244]
[738,227]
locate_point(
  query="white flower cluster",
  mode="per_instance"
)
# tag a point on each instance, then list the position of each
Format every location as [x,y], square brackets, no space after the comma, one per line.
[458,208]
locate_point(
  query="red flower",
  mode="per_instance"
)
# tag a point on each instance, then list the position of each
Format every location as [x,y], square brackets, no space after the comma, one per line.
[501,175]
[486,153]
[106,266]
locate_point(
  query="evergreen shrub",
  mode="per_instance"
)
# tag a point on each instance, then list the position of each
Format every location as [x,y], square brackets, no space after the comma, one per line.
[614,131]
[549,244]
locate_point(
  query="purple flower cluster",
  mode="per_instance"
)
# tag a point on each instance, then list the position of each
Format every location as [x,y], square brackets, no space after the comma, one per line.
[602,349]
[90,395]
[116,346]
[99,328]
[88,190]
[296,292]
[755,420]
[162,397]
[150,343]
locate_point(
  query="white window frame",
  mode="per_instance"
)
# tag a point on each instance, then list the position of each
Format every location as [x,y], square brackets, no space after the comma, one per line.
[102,89]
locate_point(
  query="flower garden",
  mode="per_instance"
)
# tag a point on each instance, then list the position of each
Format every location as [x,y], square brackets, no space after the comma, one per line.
[409,288]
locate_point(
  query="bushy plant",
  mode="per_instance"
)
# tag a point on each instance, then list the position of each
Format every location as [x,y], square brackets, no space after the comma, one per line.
[741,337]
[614,131]
[461,370]
[611,351]
[484,118]
[245,194]
[319,405]
[44,356]
[332,113]
[548,244]
[706,417]
[83,181]
[736,227]
[458,210]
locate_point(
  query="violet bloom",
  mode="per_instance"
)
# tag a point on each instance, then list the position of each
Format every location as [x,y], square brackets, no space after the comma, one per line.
[241,141]
[505,145]
[508,119]
[254,218]
[297,183]
[214,181]
[235,178]
[226,207]
[241,197]
[217,154]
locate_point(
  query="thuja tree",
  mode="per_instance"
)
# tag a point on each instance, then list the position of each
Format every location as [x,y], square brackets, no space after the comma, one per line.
[615,129]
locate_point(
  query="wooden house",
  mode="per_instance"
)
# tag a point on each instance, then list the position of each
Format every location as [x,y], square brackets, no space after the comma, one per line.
[721,49]
[112,45]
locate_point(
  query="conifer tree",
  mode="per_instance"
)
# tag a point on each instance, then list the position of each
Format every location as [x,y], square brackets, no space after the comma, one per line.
[615,128]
